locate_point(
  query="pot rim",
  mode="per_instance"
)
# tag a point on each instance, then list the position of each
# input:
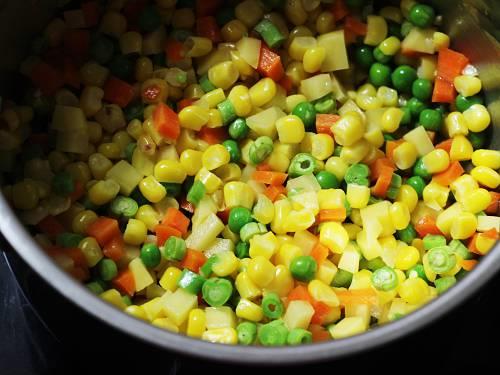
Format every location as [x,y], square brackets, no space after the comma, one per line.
[19,238]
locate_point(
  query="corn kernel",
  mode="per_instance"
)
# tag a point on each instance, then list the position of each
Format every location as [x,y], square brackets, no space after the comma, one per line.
[358,195]
[355,153]
[135,232]
[445,219]
[263,245]
[477,200]
[239,97]
[406,257]
[435,194]
[170,171]
[152,190]
[322,146]
[261,271]
[436,161]
[262,92]
[408,196]
[477,118]
[405,155]
[319,291]
[464,226]
[193,117]
[334,236]
[313,59]
[223,75]
[486,176]
[390,46]
[103,192]
[349,129]
[391,119]
[286,254]
[349,326]
[248,310]
[221,336]
[137,312]
[215,156]
[463,186]
[456,124]
[461,149]
[337,166]
[196,324]
[246,287]
[414,291]
[148,216]
[191,161]
[237,193]
[290,129]
[170,278]
[400,215]
[486,158]
[82,220]
[467,85]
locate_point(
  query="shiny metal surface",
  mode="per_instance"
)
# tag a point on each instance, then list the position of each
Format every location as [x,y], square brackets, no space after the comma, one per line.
[473,26]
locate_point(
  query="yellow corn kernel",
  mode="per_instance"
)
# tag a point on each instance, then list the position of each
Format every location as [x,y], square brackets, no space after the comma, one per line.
[113,297]
[358,195]
[211,181]
[170,171]
[436,161]
[246,287]
[91,251]
[226,335]
[355,153]
[414,291]
[148,216]
[463,186]
[290,129]
[134,128]
[262,92]
[463,226]
[103,192]
[484,243]
[445,219]
[137,312]
[331,198]
[461,149]
[282,283]
[486,176]
[390,46]
[193,117]
[391,119]
[334,236]
[135,232]
[293,100]
[388,97]
[319,291]
[476,201]
[237,193]
[322,146]
[456,124]
[368,102]
[82,220]
[215,156]
[295,71]
[467,85]
[99,165]
[349,129]
[287,253]
[263,245]
[435,195]
[243,67]
[298,220]
[228,172]
[170,278]
[337,166]
[239,97]
[191,161]
[261,271]
[376,30]
[93,74]
[152,190]
[300,45]
[408,196]
[477,118]
[214,97]
[223,75]
[214,119]
[313,59]
[406,257]
[196,324]
[440,40]
[263,211]
[486,158]
[248,310]
[226,264]
[400,215]
[348,326]
[405,155]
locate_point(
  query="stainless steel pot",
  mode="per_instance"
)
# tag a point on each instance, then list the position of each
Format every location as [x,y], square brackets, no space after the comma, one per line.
[474,28]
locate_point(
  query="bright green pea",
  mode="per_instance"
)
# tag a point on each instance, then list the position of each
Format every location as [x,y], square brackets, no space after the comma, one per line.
[403,77]
[422,15]
[234,150]
[238,129]
[417,183]
[422,89]
[431,119]
[303,268]
[380,74]
[364,56]
[238,217]
[416,106]
[306,112]
[327,180]
[150,255]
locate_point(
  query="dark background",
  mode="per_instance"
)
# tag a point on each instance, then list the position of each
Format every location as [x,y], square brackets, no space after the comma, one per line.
[41,333]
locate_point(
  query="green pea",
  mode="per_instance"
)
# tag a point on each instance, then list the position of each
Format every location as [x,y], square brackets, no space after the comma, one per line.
[380,74]
[107,269]
[394,29]
[357,174]
[431,119]
[463,103]
[62,184]
[242,250]
[406,120]
[416,106]
[407,234]
[124,206]
[149,19]
[150,255]
[403,78]
[122,67]
[238,217]
[303,268]
[417,183]
[422,15]
[234,150]
[306,112]
[174,248]
[327,180]
[380,57]
[238,129]
[364,56]
[422,89]
[478,140]
[420,170]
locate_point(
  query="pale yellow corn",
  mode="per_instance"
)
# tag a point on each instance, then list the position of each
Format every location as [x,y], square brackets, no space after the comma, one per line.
[445,219]
[436,161]
[368,102]
[290,129]
[248,310]
[211,181]
[408,196]
[214,97]
[170,278]
[226,264]
[349,129]
[135,232]
[263,211]
[246,287]
[406,257]
[391,119]
[478,118]
[388,96]
[467,85]
[400,215]
[152,190]
[287,253]
[223,75]
[215,156]
[196,324]
[358,195]
[390,46]
[239,97]
[435,194]
[348,326]
[221,336]
[456,124]
[405,155]
[228,172]
[486,158]
[464,226]
[461,148]
[193,117]
[137,312]
[319,291]
[337,166]
[313,59]
[82,220]
[414,291]
[334,236]
[148,216]
[322,146]
[237,193]
[262,92]
[103,192]
[263,245]
[261,271]
[191,161]
[170,171]
[476,201]
[463,186]
[486,176]
[355,153]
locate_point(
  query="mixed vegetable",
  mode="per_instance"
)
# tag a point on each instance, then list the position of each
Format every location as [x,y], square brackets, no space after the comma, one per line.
[258,172]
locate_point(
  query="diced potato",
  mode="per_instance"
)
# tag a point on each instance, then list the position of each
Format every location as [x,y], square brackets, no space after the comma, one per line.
[316,87]
[249,49]
[298,314]
[420,139]
[220,317]
[419,40]
[264,123]
[124,175]
[204,235]
[336,52]
[177,305]
[141,274]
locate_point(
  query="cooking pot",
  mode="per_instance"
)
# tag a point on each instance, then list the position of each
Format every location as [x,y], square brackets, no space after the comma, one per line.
[473,28]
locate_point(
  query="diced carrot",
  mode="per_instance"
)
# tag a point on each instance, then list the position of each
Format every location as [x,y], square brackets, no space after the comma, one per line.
[333,214]
[468,264]
[299,293]
[355,25]
[207,7]
[319,252]
[90,11]
[472,245]
[445,145]
[186,206]
[269,177]
[212,136]
[193,260]
[174,50]
[103,230]
[450,64]
[207,27]
[339,10]
[493,207]
[357,296]
[125,282]
[270,64]
[380,165]
[286,83]
[321,311]
[383,182]
[427,225]
[166,121]
[114,248]
[183,103]
[71,74]
[263,167]
[176,219]
[164,232]
[324,123]
[118,92]
[453,172]
[76,44]
[76,254]
[48,79]
[390,146]
[79,273]
[349,37]
[273,192]
[444,91]
[78,191]
[50,226]
[224,215]
[319,333]
[491,233]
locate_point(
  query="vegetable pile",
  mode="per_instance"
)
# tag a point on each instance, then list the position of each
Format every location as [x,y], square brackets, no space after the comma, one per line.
[258,172]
